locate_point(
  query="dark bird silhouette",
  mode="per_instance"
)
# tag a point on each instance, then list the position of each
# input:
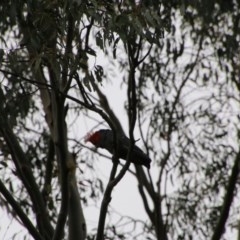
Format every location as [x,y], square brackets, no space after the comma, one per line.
[104,139]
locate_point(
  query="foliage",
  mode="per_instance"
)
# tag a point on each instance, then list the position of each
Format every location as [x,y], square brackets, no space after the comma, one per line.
[178,63]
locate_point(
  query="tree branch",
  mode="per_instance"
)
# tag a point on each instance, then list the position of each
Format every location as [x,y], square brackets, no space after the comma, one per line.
[228,199]
[76,224]
[60,142]
[49,168]
[145,202]
[105,105]
[132,120]
[18,210]
[68,51]
[26,175]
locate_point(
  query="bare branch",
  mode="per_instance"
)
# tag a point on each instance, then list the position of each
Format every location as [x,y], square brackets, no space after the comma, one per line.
[49,168]
[60,142]
[68,51]
[26,175]
[18,210]
[77,224]
[105,105]
[228,199]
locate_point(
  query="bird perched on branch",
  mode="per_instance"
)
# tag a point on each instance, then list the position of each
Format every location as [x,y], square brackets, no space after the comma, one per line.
[104,139]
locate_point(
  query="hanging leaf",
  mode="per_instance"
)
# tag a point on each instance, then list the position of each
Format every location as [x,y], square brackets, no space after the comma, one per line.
[98,70]
[99,40]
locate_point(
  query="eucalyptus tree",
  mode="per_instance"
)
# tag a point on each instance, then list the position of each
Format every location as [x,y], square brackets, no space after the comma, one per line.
[178,65]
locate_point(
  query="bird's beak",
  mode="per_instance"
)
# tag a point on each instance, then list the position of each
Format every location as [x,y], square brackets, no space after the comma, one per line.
[86,138]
